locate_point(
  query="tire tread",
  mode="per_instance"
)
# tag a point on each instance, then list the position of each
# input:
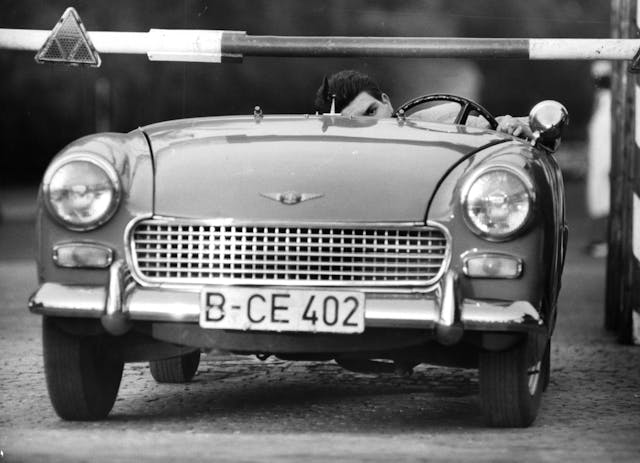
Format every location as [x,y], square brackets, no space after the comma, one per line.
[179,369]
[504,392]
[82,381]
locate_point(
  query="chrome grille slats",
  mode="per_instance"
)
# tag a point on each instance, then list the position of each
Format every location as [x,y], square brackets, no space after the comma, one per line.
[166,251]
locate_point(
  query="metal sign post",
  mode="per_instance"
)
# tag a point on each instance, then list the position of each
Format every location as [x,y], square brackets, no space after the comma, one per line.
[623,263]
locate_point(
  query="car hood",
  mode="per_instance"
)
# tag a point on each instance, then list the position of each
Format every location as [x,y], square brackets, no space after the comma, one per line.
[334,169]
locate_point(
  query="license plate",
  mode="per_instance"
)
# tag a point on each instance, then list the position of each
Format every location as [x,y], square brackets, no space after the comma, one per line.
[282,310]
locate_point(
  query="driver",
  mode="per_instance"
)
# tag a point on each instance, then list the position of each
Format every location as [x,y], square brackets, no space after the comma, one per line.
[357,94]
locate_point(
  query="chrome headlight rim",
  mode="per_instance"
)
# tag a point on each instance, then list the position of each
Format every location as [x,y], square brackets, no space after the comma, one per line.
[464,194]
[101,163]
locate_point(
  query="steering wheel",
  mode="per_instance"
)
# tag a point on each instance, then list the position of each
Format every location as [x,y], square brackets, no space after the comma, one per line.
[466,107]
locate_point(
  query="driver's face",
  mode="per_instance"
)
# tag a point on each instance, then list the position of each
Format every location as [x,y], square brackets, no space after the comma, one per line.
[366,105]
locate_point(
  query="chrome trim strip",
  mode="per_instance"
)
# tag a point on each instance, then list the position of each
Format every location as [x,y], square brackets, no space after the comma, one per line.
[419,310]
[496,312]
[114,293]
[162,305]
[377,292]
[115,319]
[412,312]
[449,328]
[272,223]
[404,313]
[128,255]
[68,301]
[448,301]
[133,263]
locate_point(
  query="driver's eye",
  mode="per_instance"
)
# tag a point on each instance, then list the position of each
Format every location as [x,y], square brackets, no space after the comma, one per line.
[371,110]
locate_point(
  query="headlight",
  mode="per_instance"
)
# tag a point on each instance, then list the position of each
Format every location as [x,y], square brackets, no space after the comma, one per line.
[81,191]
[497,202]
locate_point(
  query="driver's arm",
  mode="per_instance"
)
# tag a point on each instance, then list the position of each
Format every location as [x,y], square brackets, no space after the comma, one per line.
[516,126]
[446,113]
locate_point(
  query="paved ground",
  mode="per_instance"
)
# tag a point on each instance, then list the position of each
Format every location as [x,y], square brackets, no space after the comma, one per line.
[240,409]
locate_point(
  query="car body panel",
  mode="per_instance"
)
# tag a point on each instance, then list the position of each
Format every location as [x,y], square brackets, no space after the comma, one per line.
[130,155]
[540,248]
[363,170]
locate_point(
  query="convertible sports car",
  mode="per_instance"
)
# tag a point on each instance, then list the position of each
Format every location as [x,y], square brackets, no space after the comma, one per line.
[380,244]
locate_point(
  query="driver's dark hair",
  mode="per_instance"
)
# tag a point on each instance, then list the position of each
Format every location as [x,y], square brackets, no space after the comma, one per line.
[345,85]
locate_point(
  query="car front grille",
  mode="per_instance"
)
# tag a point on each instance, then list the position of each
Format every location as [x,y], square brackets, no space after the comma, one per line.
[166,251]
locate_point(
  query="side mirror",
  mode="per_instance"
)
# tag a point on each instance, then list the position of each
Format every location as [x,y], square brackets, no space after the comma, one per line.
[547,119]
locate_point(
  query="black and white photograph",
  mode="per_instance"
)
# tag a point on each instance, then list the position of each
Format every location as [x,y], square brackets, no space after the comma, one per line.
[324,231]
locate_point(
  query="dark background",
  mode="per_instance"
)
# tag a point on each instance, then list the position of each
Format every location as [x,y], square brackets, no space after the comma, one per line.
[44,107]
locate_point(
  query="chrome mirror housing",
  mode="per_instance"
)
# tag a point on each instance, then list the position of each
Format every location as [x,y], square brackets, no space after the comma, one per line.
[547,119]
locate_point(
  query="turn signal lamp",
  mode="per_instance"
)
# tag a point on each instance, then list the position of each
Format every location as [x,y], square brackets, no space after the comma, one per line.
[82,255]
[492,265]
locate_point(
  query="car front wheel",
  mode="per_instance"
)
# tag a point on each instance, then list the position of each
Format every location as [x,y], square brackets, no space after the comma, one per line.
[179,369]
[83,374]
[511,385]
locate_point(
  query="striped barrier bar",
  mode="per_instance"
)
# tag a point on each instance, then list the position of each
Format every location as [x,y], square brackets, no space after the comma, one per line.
[215,46]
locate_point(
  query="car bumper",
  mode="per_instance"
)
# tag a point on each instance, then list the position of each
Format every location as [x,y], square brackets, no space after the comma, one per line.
[440,308]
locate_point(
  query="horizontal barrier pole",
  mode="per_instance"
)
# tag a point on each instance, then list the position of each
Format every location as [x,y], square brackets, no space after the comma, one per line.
[22,39]
[431,47]
[211,45]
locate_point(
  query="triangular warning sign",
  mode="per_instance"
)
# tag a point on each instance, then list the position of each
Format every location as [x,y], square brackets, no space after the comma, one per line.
[69,43]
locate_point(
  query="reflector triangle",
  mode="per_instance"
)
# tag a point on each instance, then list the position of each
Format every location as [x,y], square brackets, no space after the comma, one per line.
[68,43]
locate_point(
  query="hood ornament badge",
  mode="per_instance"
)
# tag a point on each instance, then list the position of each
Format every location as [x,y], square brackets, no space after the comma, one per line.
[291,197]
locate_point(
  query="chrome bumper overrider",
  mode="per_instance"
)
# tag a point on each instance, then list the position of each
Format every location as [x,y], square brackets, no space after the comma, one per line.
[441,308]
